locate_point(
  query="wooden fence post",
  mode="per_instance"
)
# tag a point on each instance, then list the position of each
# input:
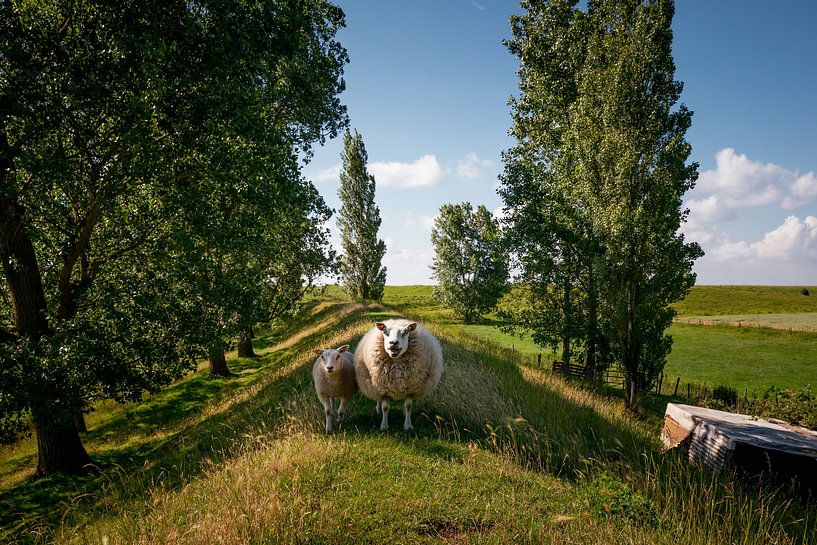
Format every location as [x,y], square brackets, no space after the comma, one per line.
[539,360]
[677,382]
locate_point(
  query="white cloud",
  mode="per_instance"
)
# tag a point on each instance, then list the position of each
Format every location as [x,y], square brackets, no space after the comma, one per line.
[424,221]
[472,167]
[331,174]
[696,231]
[793,241]
[738,182]
[406,266]
[803,191]
[425,171]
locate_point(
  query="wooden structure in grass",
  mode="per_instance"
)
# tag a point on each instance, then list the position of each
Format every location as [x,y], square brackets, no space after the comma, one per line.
[721,439]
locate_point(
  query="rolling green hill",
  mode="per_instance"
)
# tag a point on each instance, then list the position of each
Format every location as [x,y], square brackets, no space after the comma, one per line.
[717,300]
[503,452]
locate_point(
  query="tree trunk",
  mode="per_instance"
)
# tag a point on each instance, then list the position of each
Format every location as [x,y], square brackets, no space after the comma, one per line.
[245,349]
[59,446]
[79,422]
[592,325]
[58,443]
[631,352]
[218,362]
[567,315]
[566,350]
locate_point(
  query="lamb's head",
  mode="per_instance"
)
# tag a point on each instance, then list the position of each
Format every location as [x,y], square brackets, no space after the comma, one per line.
[330,358]
[396,337]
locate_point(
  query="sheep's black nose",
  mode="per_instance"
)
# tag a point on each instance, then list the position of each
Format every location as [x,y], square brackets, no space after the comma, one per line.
[393,343]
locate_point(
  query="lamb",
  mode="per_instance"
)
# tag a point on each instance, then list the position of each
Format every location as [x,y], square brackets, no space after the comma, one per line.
[397,359]
[334,376]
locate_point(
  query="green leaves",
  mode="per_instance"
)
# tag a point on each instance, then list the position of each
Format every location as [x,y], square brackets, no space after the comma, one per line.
[471,265]
[152,152]
[594,187]
[359,222]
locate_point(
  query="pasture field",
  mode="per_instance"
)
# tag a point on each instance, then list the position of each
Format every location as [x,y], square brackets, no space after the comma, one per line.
[789,321]
[719,300]
[748,359]
[502,453]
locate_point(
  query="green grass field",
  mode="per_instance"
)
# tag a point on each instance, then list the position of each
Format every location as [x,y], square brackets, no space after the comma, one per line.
[502,453]
[717,300]
[749,359]
[789,321]
[743,358]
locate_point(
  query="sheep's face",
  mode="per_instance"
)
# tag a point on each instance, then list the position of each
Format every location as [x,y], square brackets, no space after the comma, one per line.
[395,338]
[330,359]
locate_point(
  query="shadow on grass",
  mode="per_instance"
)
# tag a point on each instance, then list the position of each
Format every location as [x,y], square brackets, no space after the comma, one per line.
[172,436]
[541,428]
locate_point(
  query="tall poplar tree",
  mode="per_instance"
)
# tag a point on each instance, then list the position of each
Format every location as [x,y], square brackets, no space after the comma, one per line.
[632,166]
[593,188]
[359,222]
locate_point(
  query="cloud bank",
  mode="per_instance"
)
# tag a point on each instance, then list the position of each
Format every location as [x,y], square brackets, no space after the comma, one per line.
[737,183]
[425,171]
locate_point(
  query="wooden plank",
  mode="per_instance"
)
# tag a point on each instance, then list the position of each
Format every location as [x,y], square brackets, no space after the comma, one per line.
[714,435]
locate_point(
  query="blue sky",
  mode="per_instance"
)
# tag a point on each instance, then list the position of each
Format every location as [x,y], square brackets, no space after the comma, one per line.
[428,86]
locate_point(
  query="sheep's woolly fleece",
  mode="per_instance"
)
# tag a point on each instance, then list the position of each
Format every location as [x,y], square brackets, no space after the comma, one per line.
[340,383]
[415,373]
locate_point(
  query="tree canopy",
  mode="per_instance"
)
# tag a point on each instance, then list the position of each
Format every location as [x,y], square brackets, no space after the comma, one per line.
[594,186]
[470,263]
[145,151]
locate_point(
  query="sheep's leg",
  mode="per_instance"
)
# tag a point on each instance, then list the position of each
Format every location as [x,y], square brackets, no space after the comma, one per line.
[407,411]
[384,424]
[344,402]
[379,407]
[334,402]
[326,401]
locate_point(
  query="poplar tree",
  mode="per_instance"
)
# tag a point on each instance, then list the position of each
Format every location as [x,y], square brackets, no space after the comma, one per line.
[359,221]
[631,165]
[593,189]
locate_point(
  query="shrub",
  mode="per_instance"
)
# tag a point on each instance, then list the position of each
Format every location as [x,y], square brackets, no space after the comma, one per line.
[726,394]
[796,406]
[607,496]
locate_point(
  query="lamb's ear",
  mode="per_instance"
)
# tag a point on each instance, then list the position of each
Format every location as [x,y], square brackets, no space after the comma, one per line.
[381,326]
[317,351]
[343,348]
[412,326]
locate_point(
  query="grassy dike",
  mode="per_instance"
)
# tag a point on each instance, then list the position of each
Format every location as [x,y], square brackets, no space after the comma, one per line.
[503,453]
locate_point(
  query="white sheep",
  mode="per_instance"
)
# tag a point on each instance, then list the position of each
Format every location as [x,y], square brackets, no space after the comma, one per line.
[334,376]
[397,359]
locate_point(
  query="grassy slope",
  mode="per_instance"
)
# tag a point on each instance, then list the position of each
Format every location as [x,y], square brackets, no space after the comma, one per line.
[502,453]
[717,300]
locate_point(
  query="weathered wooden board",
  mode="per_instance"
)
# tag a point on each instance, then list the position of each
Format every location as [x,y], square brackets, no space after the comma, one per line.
[718,438]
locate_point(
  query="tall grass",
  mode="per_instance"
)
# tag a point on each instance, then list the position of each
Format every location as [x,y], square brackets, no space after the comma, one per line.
[502,452]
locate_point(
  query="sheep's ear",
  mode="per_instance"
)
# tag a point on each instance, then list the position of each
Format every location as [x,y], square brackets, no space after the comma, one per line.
[381,326]
[412,326]
[343,348]
[317,351]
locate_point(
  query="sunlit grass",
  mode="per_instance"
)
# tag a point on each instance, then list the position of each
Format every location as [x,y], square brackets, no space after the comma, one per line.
[719,300]
[503,452]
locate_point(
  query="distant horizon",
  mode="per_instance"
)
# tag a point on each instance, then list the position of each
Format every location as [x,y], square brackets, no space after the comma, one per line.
[695,286]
